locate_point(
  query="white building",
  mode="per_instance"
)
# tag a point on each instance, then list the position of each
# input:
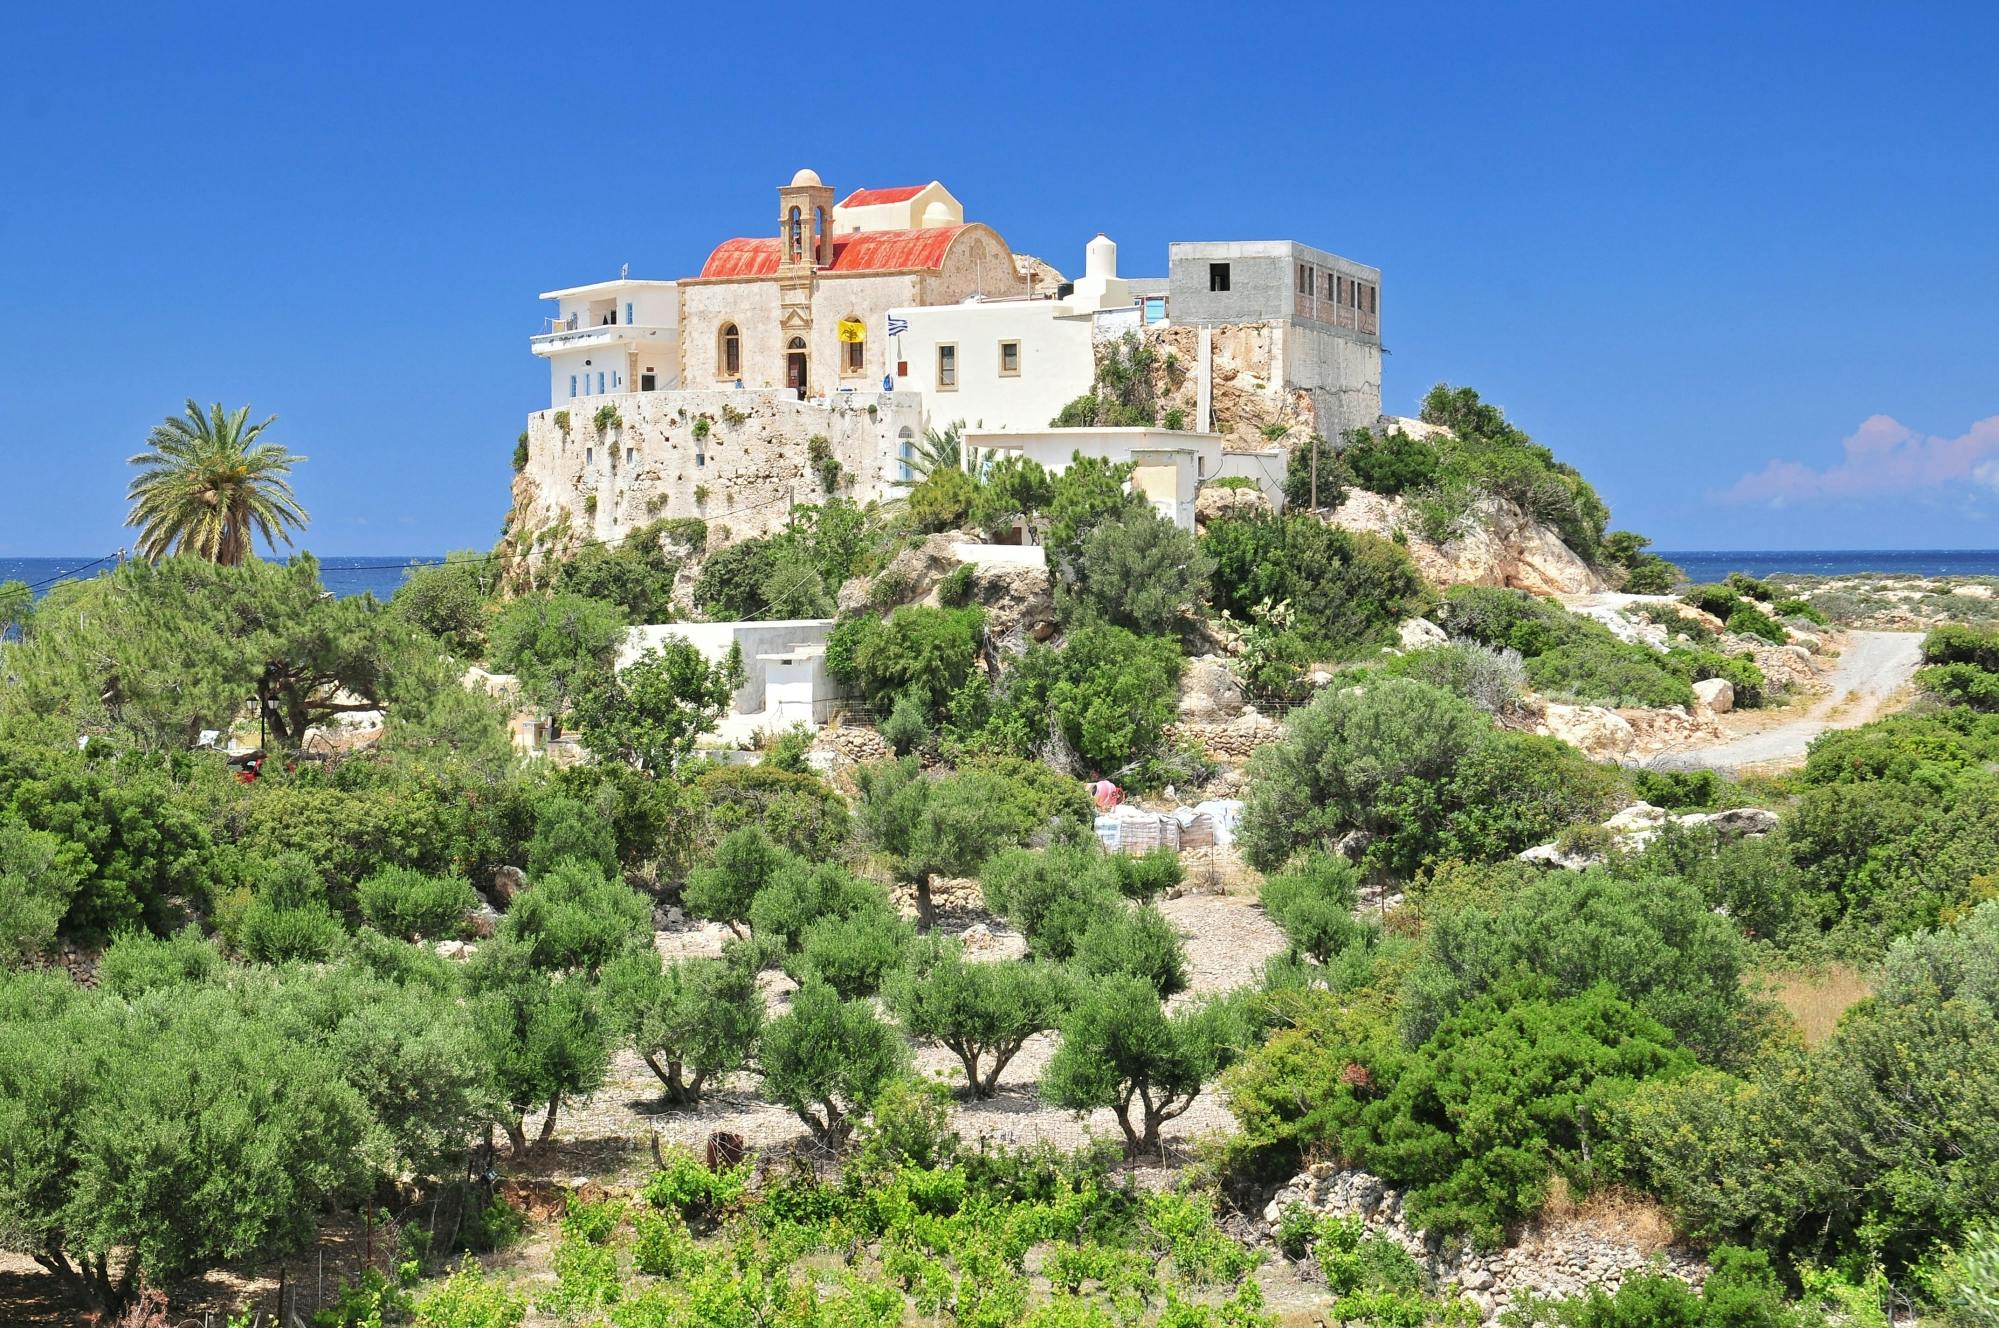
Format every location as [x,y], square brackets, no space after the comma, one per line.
[611,337]
[1014,363]
[1168,466]
[785,681]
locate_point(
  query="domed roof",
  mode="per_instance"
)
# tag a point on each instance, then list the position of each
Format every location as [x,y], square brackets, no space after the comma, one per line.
[807,176]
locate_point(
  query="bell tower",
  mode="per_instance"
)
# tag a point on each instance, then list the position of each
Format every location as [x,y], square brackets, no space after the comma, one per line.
[804,245]
[805,222]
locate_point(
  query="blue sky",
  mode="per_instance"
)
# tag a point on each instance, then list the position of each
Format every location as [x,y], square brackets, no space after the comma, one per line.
[1738,263]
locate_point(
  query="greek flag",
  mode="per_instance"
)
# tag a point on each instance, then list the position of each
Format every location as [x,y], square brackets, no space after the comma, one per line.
[897,326]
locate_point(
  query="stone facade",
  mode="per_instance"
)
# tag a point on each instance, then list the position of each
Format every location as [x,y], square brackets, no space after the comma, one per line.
[740,459]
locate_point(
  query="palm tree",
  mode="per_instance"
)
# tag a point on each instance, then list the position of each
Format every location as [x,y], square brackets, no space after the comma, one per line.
[939,450]
[207,484]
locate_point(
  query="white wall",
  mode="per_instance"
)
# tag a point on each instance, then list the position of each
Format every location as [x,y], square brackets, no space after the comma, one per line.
[1194,456]
[1057,363]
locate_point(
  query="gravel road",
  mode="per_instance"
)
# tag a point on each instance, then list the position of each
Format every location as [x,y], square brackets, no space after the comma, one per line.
[1873,668]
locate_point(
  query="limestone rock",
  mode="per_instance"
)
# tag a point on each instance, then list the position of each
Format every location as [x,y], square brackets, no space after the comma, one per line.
[482,920]
[1599,732]
[916,571]
[1209,689]
[1497,544]
[1554,856]
[1019,604]
[508,882]
[1421,634]
[1732,822]
[456,951]
[1638,816]
[1717,694]
[1213,503]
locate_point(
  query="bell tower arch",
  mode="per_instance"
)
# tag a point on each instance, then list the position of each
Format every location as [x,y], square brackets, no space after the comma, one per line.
[804,245]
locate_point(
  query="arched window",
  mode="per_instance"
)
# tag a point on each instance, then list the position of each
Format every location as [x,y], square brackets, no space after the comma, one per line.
[797,235]
[851,351]
[729,351]
[819,248]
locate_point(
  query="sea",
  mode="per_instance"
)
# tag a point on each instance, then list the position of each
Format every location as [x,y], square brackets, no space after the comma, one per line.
[364,574]
[380,574]
[1703,565]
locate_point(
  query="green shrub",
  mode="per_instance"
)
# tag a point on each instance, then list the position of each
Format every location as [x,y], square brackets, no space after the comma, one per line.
[1345,590]
[1313,900]
[406,903]
[916,647]
[1391,462]
[1748,620]
[1798,608]
[982,1012]
[1420,774]
[1139,571]
[1105,694]
[1677,790]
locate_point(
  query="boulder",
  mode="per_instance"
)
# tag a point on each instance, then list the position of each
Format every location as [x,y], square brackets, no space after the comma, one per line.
[1214,503]
[508,882]
[1421,634]
[1732,822]
[1019,604]
[1638,816]
[1552,855]
[482,920]
[1599,732]
[1209,689]
[1717,694]
[456,951]
[915,573]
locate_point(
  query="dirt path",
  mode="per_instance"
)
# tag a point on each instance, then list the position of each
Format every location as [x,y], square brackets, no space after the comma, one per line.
[1873,668]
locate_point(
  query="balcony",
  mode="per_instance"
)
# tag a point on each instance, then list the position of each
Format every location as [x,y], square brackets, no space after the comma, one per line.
[564,337]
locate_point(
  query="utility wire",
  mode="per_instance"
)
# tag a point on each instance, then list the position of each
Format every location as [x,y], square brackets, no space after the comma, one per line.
[64,576]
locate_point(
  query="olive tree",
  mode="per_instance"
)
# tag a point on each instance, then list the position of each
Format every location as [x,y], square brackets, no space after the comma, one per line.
[827,1060]
[1122,1050]
[982,1012]
[946,826]
[690,1021]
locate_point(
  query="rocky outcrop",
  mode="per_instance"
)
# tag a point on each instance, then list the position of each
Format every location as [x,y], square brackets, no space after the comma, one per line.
[1209,690]
[1420,634]
[1214,503]
[1556,1259]
[1019,604]
[1617,735]
[1018,599]
[1637,825]
[1497,545]
[1249,403]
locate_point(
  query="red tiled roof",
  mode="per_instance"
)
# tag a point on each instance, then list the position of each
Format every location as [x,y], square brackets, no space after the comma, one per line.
[871,197]
[863,251]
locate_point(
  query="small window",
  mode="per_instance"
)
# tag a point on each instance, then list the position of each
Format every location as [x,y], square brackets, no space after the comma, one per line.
[1329,286]
[572,385]
[729,355]
[1218,276]
[631,454]
[1373,295]
[1304,279]
[1009,359]
[947,368]
[589,456]
[648,381]
[905,451]
[629,320]
[600,382]
[852,362]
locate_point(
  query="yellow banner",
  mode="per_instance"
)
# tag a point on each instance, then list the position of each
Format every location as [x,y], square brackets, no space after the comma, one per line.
[853,332]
